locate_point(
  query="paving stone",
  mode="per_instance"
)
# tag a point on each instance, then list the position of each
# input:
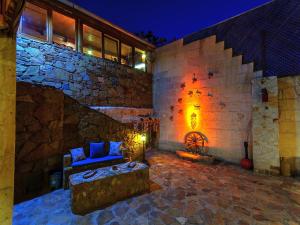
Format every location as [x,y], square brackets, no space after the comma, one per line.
[231,196]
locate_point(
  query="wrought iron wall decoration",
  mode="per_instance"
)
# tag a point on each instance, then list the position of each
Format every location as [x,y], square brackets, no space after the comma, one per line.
[172,108]
[180,111]
[190,93]
[179,100]
[222,104]
[210,75]
[197,107]
[193,120]
[194,80]
[182,86]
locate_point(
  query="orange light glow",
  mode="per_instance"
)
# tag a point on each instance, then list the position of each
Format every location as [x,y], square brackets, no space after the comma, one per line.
[192,118]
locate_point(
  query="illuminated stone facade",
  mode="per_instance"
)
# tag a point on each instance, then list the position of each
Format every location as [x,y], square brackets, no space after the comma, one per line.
[203,79]
[90,80]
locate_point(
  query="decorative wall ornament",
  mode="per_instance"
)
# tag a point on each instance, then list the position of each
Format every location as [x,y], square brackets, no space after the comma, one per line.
[171,118]
[180,111]
[194,80]
[210,94]
[222,104]
[172,108]
[190,93]
[179,100]
[193,120]
[182,86]
[210,75]
[198,92]
[197,107]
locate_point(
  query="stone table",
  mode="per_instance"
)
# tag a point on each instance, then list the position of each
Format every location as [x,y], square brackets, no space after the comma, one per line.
[107,187]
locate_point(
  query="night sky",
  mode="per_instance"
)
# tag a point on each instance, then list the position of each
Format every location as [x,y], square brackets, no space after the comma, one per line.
[167,18]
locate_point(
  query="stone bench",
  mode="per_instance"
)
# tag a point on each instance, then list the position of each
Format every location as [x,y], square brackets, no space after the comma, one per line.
[107,187]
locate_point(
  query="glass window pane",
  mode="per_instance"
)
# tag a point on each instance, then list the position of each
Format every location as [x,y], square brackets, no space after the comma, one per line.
[126,54]
[92,41]
[63,30]
[111,49]
[140,59]
[34,22]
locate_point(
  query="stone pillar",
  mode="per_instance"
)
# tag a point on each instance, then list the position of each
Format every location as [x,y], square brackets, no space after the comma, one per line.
[7,126]
[265,128]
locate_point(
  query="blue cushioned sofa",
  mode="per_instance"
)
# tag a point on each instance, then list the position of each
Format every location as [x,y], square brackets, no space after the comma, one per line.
[87,164]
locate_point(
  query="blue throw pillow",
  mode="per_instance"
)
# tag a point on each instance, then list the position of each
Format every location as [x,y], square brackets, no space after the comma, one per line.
[97,150]
[77,154]
[114,148]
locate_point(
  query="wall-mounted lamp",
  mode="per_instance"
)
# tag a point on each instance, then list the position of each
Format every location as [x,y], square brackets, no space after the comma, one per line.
[194,78]
[193,120]
[143,139]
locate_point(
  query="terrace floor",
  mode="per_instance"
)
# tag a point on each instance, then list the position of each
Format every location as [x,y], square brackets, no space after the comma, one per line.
[189,193]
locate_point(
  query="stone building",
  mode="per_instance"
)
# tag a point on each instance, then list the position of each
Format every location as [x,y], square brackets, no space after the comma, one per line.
[240,77]
[75,72]
[81,78]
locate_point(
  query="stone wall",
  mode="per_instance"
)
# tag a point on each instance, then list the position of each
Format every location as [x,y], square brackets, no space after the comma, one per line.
[289,123]
[265,127]
[219,97]
[7,126]
[125,114]
[50,123]
[90,80]
[39,138]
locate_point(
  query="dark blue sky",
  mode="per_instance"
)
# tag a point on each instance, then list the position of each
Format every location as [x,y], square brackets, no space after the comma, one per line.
[167,18]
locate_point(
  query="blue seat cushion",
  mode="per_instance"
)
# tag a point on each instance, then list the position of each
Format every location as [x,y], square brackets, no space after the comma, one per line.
[97,150]
[89,160]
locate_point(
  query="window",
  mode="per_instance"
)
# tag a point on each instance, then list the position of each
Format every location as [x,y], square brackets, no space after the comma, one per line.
[92,41]
[63,30]
[140,59]
[34,22]
[111,49]
[126,54]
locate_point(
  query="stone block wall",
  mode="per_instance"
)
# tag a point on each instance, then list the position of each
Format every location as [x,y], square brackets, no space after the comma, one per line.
[7,126]
[49,124]
[289,123]
[90,80]
[219,96]
[125,114]
[39,138]
[265,127]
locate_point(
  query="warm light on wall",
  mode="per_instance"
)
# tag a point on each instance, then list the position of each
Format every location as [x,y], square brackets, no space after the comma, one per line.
[143,137]
[144,56]
[192,117]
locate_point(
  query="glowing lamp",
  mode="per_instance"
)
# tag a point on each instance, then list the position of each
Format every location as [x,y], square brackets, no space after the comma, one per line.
[143,137]
[144,56]
[193,120]
[90,52]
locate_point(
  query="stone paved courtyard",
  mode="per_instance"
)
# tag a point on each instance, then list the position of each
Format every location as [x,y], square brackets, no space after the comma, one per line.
[182,193]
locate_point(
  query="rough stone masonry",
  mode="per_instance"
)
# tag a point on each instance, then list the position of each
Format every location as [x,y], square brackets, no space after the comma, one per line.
[90,80]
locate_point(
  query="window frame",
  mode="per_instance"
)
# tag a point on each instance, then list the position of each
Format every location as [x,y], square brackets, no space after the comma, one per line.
[31,36]
[76,32]
[102,48]
[146,66]
[118,46]
[132,54]
[79,33]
